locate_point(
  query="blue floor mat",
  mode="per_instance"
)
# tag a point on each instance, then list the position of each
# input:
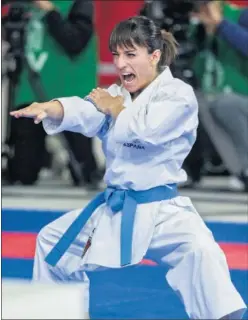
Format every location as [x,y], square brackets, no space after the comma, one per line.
[139,292]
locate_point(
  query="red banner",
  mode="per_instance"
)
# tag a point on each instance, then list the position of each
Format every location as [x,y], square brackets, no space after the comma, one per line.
[239,3]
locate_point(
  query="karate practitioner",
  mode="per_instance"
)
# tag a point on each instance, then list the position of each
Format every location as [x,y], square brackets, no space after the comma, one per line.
[147,125]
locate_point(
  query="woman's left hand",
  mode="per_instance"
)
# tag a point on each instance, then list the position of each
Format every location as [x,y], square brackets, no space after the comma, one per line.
[106,103]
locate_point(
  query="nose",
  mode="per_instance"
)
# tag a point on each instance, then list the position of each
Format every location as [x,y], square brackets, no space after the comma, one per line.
[120,62]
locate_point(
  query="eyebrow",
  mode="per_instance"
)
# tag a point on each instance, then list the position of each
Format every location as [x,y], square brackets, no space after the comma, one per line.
[126,51]
[130,50]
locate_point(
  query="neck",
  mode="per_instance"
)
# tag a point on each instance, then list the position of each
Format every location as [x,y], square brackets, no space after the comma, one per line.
[134,95]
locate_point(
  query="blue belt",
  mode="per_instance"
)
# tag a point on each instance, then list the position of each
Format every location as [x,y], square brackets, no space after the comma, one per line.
[118,200]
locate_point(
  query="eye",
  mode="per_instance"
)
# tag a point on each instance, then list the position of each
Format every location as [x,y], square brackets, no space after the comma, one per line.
[130,55]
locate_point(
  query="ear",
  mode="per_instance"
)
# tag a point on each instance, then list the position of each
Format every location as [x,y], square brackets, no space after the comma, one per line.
[155,56]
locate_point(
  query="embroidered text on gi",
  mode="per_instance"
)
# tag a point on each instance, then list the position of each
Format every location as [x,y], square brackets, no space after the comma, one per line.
[132,145]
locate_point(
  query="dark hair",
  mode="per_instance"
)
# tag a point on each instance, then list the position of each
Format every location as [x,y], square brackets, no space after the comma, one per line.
[143,32]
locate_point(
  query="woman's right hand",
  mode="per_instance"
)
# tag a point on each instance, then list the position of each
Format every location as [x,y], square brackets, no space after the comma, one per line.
[41,111]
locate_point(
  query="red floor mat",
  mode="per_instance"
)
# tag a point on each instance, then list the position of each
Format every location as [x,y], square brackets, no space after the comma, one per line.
[22,246]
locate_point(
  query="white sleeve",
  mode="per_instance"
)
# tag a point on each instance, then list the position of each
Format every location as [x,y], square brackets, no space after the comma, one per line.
[79,116]
[163,120]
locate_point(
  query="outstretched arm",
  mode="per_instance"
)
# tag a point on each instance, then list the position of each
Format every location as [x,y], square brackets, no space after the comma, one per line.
[72,114]
[78,116]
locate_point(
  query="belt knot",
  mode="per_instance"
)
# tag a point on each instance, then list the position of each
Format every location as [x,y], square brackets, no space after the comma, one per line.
[115,198]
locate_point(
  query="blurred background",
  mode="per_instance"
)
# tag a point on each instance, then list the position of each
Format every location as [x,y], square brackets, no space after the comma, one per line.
[60,48]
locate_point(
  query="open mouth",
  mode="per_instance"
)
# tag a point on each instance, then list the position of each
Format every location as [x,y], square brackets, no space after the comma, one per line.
[128,77]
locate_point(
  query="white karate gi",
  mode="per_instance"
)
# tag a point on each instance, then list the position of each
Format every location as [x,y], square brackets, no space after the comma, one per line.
[145,148]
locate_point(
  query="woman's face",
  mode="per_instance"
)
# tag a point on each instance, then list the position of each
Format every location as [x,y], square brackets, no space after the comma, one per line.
[136,68]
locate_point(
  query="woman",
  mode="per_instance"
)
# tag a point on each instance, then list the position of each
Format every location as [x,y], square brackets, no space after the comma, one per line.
[147,126]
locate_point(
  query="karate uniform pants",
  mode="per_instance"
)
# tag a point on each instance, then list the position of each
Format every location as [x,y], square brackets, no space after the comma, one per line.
[198,268]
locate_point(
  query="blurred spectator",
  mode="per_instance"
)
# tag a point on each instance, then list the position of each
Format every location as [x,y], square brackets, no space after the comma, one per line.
[222,68]
[61,60]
